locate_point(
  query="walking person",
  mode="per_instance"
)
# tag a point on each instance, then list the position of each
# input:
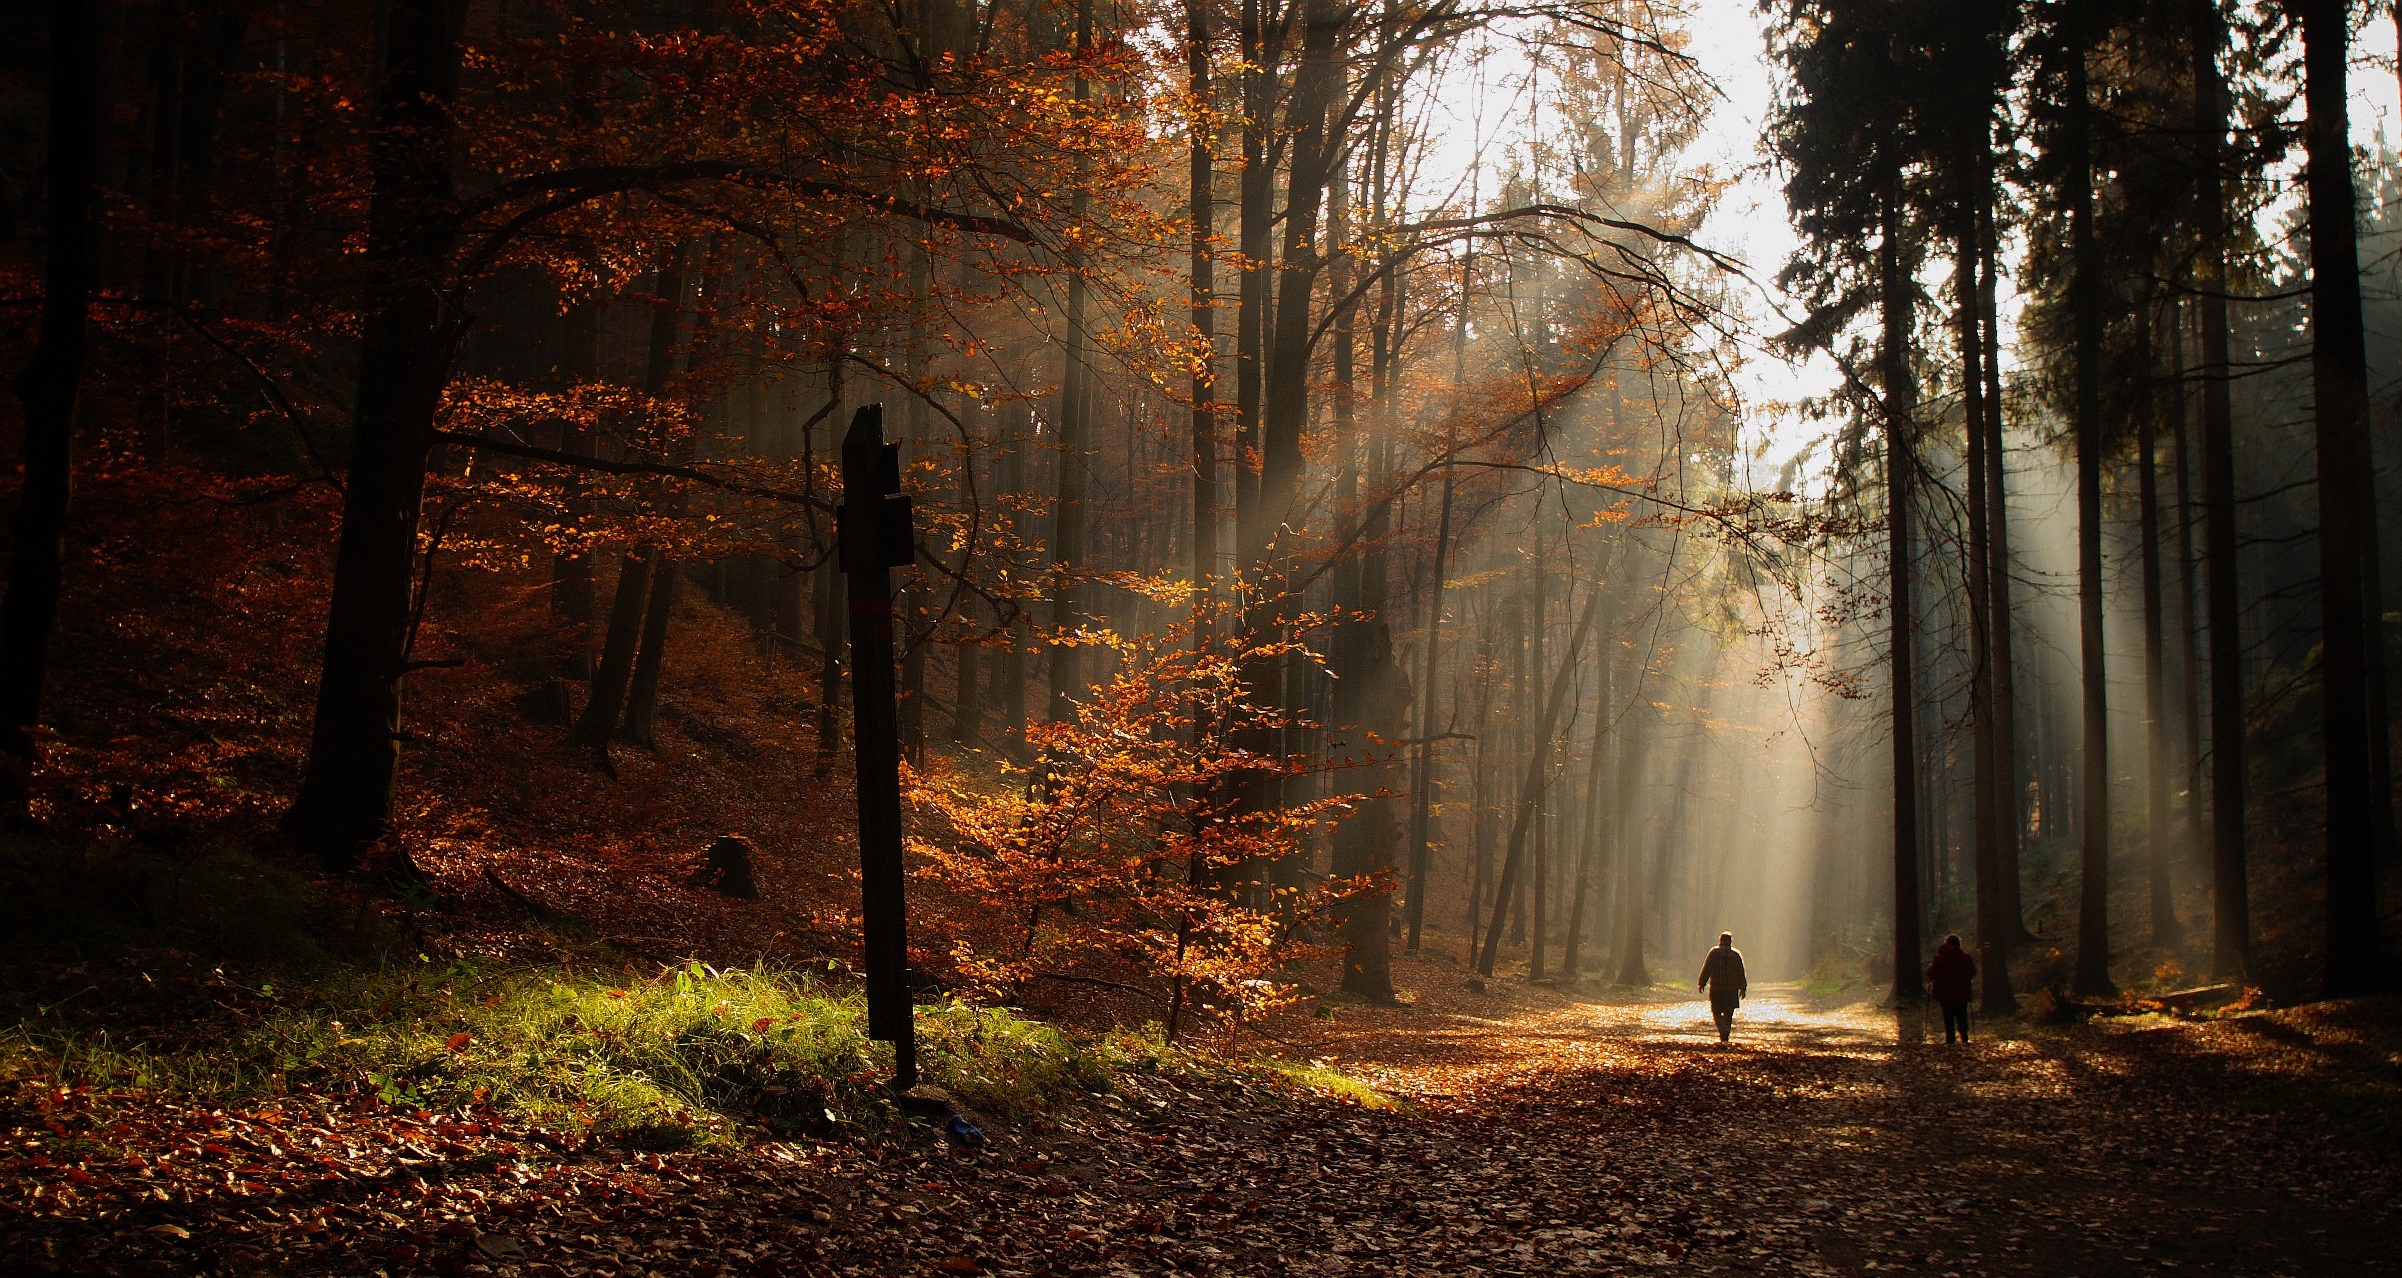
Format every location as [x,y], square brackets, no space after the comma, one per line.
[1948,978]
[1722,975]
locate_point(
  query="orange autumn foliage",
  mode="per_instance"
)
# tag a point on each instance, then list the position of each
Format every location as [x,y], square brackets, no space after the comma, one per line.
[1119,845]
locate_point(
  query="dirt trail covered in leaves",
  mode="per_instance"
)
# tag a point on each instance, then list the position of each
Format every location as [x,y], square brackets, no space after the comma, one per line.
[1532,1134]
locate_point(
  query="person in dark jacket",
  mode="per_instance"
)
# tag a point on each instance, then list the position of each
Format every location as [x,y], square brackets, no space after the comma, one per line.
[1722,975]
[1948,979]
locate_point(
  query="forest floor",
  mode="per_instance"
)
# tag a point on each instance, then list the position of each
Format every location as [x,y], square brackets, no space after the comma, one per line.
[1524,1132]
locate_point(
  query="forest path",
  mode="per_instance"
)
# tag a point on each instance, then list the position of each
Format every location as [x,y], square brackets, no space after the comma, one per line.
[1542,1133]
[1619,1134]
[1536,1133]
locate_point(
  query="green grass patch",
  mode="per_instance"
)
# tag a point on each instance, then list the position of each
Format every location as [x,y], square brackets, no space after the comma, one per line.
[690,1056]
[1317,1077]
[230,979]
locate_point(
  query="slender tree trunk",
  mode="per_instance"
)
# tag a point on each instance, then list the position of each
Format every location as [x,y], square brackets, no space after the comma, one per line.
[640,727]
[2340,391]
[573,599]
[2189,605]
[1627,837]
[915,618]
[2085,320]
[1206,550]
[967,659]
[1255,193]
[1995,928]
[47,389]
[2009,790]
[614,680]
[1285,412]
[1539,756]
[2155,659]
[1422,773]
[1589,846]
[1900,395]
[1202,198]
[1530,792]
[1067,526]
[407,333]
[1014,443]
[2231,910]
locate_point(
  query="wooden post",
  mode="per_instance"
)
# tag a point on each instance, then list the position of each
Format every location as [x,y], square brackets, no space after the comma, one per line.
[876,536]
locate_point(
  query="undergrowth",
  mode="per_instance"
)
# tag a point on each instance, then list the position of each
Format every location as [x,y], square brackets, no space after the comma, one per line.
[227,978]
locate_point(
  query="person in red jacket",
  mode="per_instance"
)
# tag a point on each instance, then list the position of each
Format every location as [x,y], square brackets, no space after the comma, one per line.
[1948,980]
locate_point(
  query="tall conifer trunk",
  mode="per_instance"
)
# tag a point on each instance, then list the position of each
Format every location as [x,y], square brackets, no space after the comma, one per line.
[2085,322]
[1995,929]
[2009,791]
[2157,769]
[2339,380]
[1900,404]
[2230,892]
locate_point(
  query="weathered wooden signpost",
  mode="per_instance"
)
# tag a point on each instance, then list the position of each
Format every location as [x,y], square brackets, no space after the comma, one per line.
[875,536]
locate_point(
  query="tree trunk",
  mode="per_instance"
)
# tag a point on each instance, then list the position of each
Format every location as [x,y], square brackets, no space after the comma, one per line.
[405,342]
[2009,790]
[614,676]
[573,597]
[1067,527]
[2189,604]
[640,727]
[1014,443]
[613,679]
[1589,847]
[642,693]
[1530,792]
[1631,759]
[1285,413]
[833,627]
[1203,198]
[1255,192]
[2340,391]
[1900,396]
[2155,656]
[47,389]
[2085,319]
[2230,891]
[1539,756]
[1996,930]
